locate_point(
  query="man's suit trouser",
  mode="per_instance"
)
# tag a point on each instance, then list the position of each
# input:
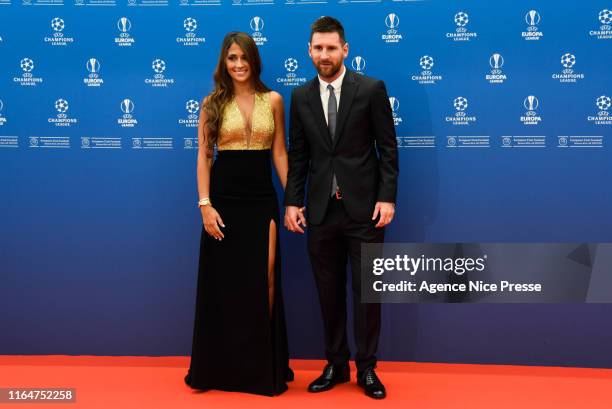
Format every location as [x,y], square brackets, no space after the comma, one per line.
[330,244]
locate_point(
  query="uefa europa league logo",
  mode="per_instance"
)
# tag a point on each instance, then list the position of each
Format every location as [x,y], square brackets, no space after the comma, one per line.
[127,107]
[496,62]
[531,103]
[358,64]
[124,25]
[392,21]
[257,24]
[394,102]
[533,19]
[93,66]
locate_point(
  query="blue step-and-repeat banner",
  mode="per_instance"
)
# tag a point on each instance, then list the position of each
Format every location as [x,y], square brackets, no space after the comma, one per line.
[502,111]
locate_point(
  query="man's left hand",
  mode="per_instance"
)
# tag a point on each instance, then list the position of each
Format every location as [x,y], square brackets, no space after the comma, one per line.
[386,210]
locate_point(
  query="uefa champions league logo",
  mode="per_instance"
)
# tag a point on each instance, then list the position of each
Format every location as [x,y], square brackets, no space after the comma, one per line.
[291,64]
[191,106]
[257,25]
[159,80]
[58,38]
[531,117]
[605,30]
[496,76]
[61,119]
[461,19]
[461,33]
[190,38]
[460,118]
[532,18]
[426,62]
[159,66]
[567,75]
[394,103]
[27,78]
[127,120]
[358,63]
[603,104]
[61,105]
[93,78]
[57,24]
[568,60]
[460,103]
[392,22]
[27,65]
[190,24]
[124,25]
[291,78]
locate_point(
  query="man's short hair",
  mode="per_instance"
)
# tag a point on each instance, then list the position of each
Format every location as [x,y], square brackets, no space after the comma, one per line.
[327,24]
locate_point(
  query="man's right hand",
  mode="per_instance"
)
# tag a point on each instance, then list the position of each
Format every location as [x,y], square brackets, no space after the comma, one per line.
[294,216]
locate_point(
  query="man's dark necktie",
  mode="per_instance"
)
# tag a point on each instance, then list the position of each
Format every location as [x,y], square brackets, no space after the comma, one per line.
[332,114]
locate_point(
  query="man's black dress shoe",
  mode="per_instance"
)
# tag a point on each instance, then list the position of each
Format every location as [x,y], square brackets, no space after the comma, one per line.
[331,376]
[371,384]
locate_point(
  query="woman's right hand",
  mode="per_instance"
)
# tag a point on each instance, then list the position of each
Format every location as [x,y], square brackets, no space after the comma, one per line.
[212,222]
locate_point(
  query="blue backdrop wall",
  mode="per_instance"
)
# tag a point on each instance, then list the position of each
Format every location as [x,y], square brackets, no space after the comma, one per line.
[502,117]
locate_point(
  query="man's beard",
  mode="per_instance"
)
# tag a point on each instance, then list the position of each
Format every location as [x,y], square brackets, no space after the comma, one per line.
[328,70]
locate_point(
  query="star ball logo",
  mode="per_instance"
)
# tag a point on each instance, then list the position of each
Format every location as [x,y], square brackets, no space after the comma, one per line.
[127,120]
[359,64]
[496,75]
[257,25]
[603,104]
[124,25]
[61,119]
[532,33]
[58,38]
[190,38]
[291,78]
[27,79]
[461,33]
[159,80]
[531,116]
[567,75]
[426,76]
[605,30]
[192,107]
[460,117]
[394,103]
[392,36]
[93,78]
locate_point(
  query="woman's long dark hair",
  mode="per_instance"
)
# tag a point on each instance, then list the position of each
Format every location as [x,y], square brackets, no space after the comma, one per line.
[224,87]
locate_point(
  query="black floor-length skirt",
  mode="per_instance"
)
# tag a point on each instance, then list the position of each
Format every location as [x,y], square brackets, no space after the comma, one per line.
[237,344]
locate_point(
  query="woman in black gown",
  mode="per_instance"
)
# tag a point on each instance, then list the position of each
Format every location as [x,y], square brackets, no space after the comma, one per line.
[240,337]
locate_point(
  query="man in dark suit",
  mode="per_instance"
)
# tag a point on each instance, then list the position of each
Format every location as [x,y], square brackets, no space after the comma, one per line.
[342,139]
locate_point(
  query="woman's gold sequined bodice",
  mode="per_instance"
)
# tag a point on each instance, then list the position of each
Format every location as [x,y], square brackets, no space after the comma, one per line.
[234,134]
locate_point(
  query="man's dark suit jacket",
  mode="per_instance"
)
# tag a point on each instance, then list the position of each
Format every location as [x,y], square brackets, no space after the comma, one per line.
[364,127]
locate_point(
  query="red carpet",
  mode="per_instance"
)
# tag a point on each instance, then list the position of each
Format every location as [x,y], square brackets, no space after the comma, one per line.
[154,382]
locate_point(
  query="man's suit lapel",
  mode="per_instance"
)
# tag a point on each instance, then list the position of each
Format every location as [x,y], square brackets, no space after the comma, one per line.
[347,94]
[314,100]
